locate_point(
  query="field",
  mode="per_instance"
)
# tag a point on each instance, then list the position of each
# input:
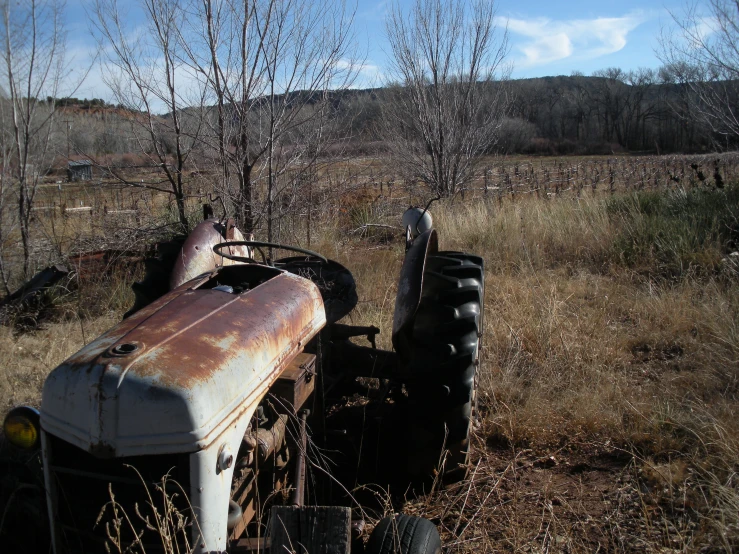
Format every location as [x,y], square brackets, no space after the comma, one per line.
[609,377]
[73,218]
[608,416]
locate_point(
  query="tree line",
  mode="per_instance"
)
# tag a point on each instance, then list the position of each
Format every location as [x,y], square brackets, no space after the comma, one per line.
[612,111]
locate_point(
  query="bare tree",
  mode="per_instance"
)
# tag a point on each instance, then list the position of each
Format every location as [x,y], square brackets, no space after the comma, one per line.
[702,52]
[31,68]
[268,67]
[7,217]
[445,109]
[619,99]
[145,72]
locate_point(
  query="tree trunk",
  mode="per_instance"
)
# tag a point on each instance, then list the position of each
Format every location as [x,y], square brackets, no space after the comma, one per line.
[180,199]
[25,235]
[245,209]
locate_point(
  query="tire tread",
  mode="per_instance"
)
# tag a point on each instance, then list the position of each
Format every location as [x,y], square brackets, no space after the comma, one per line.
[441,403]
[403,534]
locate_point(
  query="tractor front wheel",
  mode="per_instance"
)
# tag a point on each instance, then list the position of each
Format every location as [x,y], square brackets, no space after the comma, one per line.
[404,534]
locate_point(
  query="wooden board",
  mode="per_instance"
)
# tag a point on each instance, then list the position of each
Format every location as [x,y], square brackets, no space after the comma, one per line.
[310,529]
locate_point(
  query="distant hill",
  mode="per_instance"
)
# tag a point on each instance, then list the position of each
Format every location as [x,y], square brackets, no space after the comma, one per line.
[610,112]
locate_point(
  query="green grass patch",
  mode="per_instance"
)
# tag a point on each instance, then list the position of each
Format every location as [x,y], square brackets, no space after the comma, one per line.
[677,233]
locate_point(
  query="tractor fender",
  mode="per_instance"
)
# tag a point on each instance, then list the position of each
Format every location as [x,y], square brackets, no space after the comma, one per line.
[410,286]
[197,255]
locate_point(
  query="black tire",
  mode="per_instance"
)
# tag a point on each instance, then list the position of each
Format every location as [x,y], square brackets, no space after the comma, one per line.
[404,534]
[446,348]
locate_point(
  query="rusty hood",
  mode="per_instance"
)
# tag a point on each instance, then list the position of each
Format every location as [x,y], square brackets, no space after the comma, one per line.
[178,373]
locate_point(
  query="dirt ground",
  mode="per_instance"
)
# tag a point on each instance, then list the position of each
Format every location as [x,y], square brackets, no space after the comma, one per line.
[578,498]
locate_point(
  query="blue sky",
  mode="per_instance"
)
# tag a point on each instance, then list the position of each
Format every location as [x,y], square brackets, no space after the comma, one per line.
[546,37]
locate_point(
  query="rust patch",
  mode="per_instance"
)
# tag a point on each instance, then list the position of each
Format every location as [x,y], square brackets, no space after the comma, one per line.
[189,365]
[200,331]
[82,358]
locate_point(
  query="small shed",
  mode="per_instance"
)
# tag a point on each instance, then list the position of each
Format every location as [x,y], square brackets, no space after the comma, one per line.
[80,170]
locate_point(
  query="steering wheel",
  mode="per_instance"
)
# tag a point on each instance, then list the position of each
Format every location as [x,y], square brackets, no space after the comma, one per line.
[218,247]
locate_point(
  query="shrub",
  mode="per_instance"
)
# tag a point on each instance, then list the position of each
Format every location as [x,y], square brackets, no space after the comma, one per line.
[566,146]
[515,135]
[677,233]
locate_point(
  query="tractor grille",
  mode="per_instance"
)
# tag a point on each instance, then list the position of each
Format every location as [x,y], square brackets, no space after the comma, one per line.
[101,501]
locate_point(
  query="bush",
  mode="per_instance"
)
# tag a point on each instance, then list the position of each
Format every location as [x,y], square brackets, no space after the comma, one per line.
[566,146]
[680,233]
[540,146]
[515,135]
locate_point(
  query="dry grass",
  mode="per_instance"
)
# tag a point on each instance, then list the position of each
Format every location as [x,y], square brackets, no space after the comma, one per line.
[608,388]
[609,392]
[28,358]
[608,385]
[530,233]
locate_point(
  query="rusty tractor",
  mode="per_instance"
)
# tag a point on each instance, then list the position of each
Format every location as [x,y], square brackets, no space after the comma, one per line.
[232,410]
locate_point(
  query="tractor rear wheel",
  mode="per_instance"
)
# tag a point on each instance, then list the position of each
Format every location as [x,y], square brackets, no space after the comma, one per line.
[446,350]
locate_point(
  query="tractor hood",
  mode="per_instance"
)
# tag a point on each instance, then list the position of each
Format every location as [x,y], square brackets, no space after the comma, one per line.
[176,374]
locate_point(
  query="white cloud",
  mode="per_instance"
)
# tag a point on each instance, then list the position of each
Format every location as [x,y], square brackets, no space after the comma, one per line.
[547,49]
[545,40]
[366,74]
[359,66]
[82,64]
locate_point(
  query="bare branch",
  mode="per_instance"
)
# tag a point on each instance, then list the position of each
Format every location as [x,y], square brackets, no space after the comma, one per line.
[701,52]
[444,107]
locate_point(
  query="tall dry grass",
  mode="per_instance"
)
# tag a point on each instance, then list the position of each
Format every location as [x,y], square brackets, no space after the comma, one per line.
[27,358]
[610,343]
[608,380]
[610,329]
